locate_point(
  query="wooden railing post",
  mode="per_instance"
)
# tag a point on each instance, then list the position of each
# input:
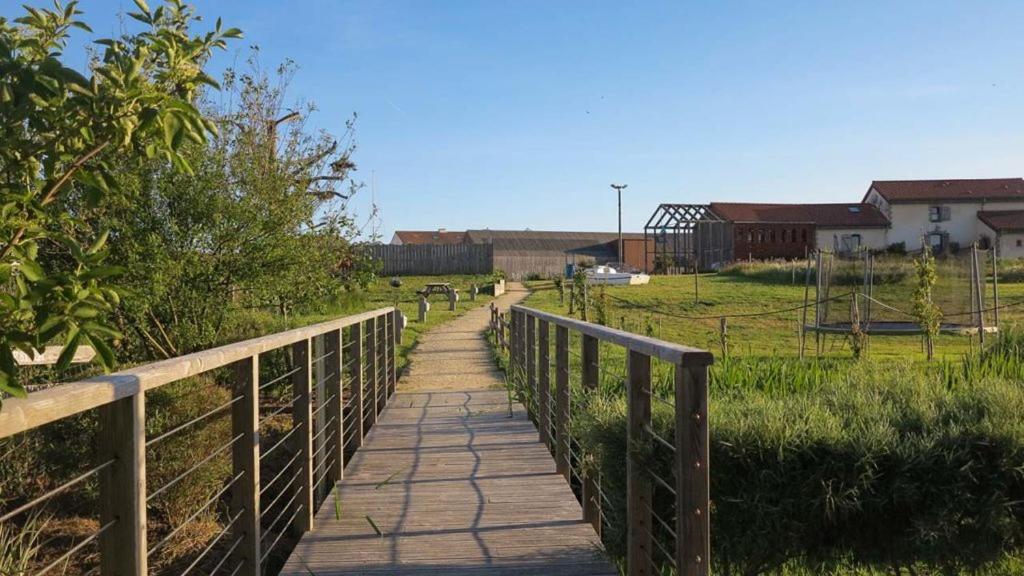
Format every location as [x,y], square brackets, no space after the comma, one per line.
[544,383]
[302,416]
[382,363]
[562,402]
[638,483]
[371,368]
[245,460]
[513,356]
[590,357]
[693,526]
[396,342]
[122,438]
[355,352]
[531,362]
[335,410]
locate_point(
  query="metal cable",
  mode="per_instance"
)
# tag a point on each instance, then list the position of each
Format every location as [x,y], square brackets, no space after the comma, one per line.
[85,542]
[658,479]
[281,377]
[55,491]
[650,431]
[281,533]
[194,515]
[177,429]
[227,556]
[284,490]
[198,465]
[213,543]
[280,474]
[281,441]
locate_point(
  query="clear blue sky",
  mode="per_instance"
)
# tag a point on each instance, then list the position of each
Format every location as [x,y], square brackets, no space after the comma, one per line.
[519,114]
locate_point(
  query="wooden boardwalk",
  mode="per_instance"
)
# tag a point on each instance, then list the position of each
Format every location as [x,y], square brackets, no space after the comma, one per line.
[452,484]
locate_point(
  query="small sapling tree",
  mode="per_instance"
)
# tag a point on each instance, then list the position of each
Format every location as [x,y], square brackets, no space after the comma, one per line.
[927,313]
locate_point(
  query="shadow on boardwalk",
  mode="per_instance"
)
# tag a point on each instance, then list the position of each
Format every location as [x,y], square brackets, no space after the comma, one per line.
[453,484]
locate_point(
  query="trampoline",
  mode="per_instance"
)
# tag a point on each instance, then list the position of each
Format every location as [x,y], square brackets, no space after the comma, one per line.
[854,292]
[893,328]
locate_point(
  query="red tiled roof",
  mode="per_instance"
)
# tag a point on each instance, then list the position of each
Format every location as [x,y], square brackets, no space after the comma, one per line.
[430,237]
[949,190]
[824,215]
[1003,220]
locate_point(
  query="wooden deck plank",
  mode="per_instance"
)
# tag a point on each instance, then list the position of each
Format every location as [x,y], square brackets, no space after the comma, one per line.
[456,485]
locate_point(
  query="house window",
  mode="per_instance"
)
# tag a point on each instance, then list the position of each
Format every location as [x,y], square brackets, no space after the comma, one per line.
[803,235]
[783,234]
[772,235]
[793,235]
[1020,242]
[937,241]
[760,237]
[938,213]
[750,237]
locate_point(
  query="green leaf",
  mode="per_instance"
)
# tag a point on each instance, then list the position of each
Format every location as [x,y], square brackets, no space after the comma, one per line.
[142,6]
[103,351]
[70,346]
[31,270]
[102,272]
[99,243]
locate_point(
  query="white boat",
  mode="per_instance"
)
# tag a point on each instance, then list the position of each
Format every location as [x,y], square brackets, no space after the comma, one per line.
[611,276]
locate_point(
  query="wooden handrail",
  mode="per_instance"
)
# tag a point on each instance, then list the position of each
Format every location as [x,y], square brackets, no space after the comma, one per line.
[319,434]
[667,351]
[530,367]
[45,406]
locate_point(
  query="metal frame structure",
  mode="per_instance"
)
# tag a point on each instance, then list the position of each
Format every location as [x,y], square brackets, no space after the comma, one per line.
[687,237]
[862,302]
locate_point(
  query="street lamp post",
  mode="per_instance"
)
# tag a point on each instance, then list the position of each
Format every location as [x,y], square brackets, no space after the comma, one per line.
[619,188]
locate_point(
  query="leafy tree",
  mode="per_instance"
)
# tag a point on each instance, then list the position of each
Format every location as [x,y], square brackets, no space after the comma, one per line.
[260,224]
[60,134]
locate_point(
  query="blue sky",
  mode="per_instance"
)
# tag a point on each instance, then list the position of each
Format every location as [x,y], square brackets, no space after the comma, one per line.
[519,114]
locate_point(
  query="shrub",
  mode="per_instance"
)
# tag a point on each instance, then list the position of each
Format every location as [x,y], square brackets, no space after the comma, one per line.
[882,464]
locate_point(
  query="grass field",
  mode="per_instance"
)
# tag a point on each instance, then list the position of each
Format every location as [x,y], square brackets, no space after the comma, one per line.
[659,307]
[886,465]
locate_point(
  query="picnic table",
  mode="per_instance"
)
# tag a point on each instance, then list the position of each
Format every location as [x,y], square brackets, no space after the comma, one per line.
[437,288]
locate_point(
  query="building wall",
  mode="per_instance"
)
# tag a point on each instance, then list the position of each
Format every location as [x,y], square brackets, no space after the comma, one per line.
[911,221]
[432,259]
[765,241]
[832,238]
[521,265]
[637,255]
[1010,244]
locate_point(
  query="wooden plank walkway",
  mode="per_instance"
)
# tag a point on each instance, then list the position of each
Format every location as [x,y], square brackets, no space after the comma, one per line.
[455,485]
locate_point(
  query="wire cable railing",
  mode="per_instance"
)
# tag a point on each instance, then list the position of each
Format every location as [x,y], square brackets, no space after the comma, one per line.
[655,371]
[318,388]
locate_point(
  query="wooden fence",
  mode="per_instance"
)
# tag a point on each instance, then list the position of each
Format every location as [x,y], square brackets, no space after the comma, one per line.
[340,374]
[657,537]
[433,259]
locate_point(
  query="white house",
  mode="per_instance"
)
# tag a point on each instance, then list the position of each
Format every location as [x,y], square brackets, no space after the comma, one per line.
[953,213]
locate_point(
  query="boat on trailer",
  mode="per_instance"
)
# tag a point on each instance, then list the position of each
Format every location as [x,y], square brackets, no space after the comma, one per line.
[611,276]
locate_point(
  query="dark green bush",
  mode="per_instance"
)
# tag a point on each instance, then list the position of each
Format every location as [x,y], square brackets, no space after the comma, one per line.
[884,465]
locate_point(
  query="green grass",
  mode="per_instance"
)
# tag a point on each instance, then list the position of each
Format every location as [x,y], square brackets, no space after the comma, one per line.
[886,465]
[656,308]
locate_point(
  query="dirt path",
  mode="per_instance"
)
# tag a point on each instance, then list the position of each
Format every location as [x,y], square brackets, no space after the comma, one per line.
[456,355]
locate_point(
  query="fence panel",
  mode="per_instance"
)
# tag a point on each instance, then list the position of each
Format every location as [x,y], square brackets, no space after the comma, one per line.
[433,259]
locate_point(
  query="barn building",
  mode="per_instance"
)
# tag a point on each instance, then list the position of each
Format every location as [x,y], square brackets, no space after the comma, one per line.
[710,236]
[524,253]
